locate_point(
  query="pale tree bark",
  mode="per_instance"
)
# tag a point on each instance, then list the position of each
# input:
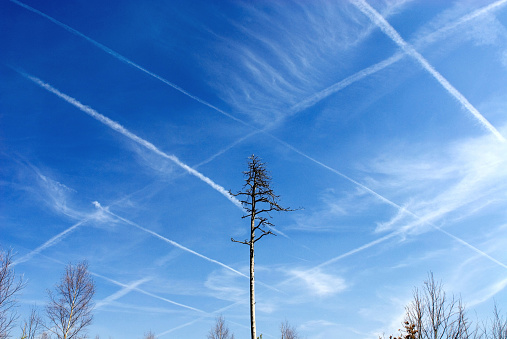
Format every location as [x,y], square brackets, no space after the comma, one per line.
[220,330]
[288,332]
[70,308]
[10,285]
[258,200]
[31,327]
[437,316]
[149,335]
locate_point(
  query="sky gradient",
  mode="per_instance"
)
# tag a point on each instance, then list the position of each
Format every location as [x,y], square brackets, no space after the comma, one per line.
[124,124]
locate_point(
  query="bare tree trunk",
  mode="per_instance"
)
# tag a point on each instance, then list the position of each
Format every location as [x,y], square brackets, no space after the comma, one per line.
[252,265]
[252,293]
[257,189]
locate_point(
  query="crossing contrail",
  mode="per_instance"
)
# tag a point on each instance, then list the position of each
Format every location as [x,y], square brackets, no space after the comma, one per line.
[312,100]
[382,23]
[148,293]
[125,290]
[122,130]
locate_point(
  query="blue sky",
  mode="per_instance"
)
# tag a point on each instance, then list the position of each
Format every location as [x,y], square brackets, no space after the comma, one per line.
[123,124]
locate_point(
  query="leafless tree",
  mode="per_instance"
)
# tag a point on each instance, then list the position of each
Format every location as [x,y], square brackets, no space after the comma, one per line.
[497,328]
[258,200]
[437,316]
[9,286]
[70,307]
[31,327]
[149,335]
[288,331]
[220,330]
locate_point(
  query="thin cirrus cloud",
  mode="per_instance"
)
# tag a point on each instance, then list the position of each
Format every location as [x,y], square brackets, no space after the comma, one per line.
[382,23]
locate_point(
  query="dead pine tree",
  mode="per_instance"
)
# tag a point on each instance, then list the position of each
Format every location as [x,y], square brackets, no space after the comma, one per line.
[258,201]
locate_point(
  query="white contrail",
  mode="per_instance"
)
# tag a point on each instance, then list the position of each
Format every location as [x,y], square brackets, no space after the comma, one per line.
[125,290]
[372,14]
[122,130]
[137,289]
[54,240]
[127,61]
[382,23]
[175,244]
[169,241]
[312,100]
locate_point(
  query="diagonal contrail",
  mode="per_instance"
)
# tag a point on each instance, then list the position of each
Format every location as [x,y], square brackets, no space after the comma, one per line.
[175,244]
[127,61]
[152,147]
[382,23]
[169,241]
[122,130]
[137,289]
[407,48]
[50,242]
[312,100]
[125,290]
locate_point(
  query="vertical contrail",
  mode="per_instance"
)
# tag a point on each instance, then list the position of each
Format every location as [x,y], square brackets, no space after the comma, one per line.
[382,23]
[122,130]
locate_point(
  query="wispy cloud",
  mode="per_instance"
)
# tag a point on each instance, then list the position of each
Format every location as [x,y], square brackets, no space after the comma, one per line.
[122,130]
[319,283]
[382,23]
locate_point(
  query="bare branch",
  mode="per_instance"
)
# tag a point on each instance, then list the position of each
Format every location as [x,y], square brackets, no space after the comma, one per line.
[9,287]
[70,307]
[220,330]
[258,201]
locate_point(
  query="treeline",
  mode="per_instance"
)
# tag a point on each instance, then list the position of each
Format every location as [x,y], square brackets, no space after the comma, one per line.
[432,313]
[68,311]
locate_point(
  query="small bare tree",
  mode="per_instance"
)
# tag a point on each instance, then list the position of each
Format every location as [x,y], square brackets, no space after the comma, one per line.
[436,316]
[31,327]
[149,335]
[70,308]
[258,200]
[288,331]
[497,328]
[220,330]
[9,286]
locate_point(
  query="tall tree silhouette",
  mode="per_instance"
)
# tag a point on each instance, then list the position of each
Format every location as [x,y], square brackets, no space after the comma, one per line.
[258,200]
